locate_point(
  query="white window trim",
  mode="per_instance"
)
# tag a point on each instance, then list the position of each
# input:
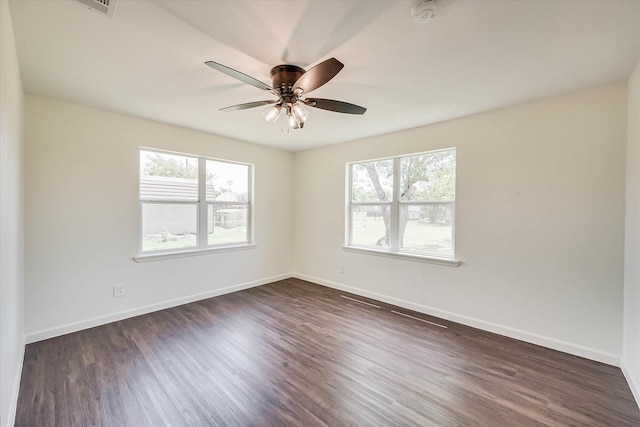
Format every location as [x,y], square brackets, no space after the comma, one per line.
[394,251]
[202,204]
[404,255]
[159,256]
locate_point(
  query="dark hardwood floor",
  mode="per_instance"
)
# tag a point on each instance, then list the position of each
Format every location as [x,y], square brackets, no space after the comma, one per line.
[292,353]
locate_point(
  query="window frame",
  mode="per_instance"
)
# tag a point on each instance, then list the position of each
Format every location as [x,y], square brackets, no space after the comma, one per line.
[202,205]
[394,250]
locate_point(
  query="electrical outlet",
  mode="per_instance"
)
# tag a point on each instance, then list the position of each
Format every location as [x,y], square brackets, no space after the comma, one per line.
[341,268]
[118,291]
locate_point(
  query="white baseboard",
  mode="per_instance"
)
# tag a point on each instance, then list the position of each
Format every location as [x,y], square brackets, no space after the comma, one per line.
[15,391]
[566,347]
[552,343]
[121,315]
[634,383]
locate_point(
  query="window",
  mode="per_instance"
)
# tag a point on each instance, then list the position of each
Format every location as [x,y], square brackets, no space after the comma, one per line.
[403,205]
[193,203]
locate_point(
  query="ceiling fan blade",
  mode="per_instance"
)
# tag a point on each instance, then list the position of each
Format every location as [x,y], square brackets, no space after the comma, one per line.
[333,105]
[247,105]
[318,75]
[238,75]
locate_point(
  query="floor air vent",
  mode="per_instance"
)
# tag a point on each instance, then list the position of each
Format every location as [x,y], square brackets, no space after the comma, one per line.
[106,7]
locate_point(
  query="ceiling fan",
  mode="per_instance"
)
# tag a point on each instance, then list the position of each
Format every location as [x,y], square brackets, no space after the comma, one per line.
[290,83]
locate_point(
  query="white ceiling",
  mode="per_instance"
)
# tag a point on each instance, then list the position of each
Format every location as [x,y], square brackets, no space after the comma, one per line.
[148,61]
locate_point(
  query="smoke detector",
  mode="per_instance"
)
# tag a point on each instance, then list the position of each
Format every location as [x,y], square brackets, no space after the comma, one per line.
[424,11]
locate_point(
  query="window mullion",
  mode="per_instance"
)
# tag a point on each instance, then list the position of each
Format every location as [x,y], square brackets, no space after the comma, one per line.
[202,203]
[250,185]
[395,207]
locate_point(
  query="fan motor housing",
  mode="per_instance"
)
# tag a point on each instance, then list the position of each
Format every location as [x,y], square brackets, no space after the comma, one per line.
[284,76]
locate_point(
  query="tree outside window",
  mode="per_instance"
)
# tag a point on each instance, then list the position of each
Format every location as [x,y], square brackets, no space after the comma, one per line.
[404,204]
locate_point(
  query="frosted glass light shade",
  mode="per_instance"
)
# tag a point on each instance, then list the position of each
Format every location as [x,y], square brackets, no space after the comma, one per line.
[271,113]
[291,120]
[300,112]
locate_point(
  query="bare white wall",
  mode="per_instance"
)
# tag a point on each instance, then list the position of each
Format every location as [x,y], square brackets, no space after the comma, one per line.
[81,219]
[11,222]
[539,219]
[631,347]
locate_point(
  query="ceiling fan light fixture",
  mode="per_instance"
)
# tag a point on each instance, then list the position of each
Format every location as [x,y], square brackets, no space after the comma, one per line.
[291,119]
[271,114]
[300,112]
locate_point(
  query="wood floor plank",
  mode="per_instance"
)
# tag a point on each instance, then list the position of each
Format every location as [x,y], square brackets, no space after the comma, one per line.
[292,353]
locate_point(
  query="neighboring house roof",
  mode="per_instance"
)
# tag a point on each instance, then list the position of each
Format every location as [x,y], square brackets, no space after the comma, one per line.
[160,188]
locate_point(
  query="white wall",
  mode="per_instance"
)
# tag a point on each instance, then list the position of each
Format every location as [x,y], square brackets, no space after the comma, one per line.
[631,347]
[11,223]
[539,219]
[81,219]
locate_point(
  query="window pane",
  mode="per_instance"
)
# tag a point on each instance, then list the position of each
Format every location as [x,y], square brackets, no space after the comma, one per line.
[427,228]
[372,181]
[370,225]
[428,176]
[227,182]
[168,226]
[168,177]
[227,224]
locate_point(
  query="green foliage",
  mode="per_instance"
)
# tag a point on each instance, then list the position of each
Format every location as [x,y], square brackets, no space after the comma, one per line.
[429,176]
[160,165]
[436,176]
[373,181]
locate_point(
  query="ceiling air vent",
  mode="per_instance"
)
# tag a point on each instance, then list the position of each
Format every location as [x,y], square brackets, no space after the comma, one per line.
[106,7]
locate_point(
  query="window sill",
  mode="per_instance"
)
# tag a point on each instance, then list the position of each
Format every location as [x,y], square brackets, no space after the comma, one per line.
[405,256]
[190,253]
